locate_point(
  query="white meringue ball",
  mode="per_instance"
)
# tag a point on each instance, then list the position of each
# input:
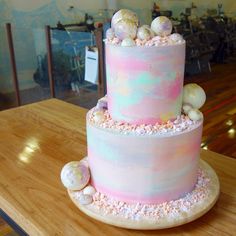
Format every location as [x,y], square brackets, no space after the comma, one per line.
[85,162]
[102,103]
[194,95]
[125,29]
[75,175]
[124,14]
[195,114]
[162,26]
[149,28]
[175,37]
[85,199]
[110,34]
[186,108]
[128,42]
[98,116]
[89,190]
[144,33]
[152,33]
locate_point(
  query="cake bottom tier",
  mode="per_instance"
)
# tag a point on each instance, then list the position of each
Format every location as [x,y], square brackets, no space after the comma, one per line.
[155,216]
[143,168]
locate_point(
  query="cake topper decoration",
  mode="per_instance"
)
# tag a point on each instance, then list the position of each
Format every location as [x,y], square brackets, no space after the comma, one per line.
[195,114]
[162,26]
[125,29]
[127,42]
[145,32]
[194,98]
[98,116]
[125,23]
[186,108]
[175,37]
[102,103]
[85,199]
[125,32]
[89,190]
[124,14]
[194,95]
[110,34]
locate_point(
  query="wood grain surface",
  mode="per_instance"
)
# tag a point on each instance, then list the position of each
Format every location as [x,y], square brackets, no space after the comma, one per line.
[37,140]
[219,128]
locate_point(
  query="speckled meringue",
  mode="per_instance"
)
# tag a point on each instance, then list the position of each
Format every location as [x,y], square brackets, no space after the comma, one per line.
[85,199]
[84,161]
[75,175]
[149,28]
[175,37]
[89,190]
[194,95]
[98,116]
[128,42]
[125,29]
[124,14]
[144,33]
[195,114]
[102,103]
[186,108]
[110,34]
[162,26]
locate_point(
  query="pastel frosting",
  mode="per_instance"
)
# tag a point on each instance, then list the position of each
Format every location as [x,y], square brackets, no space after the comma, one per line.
[143,168]
[144,84]
[141,149]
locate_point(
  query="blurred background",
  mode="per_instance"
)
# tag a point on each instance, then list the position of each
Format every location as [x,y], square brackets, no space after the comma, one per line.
[77,27]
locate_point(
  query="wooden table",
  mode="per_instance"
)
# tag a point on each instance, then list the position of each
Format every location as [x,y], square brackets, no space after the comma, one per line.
[37,140]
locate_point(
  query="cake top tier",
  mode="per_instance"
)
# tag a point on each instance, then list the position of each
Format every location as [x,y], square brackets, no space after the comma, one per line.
[125,31]
[145,71]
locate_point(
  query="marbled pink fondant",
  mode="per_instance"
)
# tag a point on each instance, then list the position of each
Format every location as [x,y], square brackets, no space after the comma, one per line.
[143,168]
[144,84]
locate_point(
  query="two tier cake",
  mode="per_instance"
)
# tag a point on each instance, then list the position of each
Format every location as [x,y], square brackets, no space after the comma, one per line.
[144,136]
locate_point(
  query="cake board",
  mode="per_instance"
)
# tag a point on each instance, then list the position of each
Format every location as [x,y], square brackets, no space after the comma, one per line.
[167,221]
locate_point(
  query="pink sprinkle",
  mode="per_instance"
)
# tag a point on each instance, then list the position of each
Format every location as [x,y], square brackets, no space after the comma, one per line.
[180,124]
[138,211]
[155,41]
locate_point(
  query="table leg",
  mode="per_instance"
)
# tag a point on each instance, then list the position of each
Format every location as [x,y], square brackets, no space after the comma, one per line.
[13,224]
